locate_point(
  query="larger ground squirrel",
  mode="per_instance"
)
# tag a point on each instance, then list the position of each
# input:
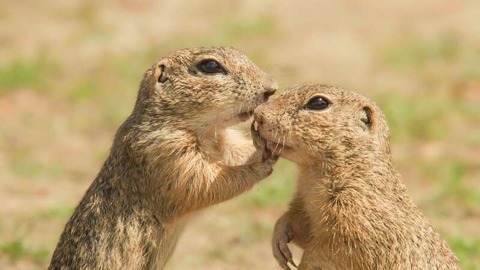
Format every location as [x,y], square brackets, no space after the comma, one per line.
[351,209]
[173,155]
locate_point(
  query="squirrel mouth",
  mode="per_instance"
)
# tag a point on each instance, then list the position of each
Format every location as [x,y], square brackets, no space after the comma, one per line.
[276,148]
[244,116]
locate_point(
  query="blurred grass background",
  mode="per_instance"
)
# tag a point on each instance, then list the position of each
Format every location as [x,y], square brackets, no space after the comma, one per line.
[69,72]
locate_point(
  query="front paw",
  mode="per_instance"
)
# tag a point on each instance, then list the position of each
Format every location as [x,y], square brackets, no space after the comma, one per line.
[261,145]
[282,235]
[264,168]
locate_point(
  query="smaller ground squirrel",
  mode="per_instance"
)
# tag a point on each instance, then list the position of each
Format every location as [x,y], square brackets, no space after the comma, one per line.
[351,209]
[173,155]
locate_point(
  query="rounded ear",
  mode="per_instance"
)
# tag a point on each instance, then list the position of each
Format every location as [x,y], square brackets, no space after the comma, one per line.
[367,117]
[160,72]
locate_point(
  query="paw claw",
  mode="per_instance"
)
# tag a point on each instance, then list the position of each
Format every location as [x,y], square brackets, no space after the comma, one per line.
[266,155]
[282,236]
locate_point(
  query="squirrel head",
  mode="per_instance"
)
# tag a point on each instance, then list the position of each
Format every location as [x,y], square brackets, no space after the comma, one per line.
[205,87]
[322,123]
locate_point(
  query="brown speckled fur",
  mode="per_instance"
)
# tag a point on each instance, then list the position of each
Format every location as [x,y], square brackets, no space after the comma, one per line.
[172,156]
[351,209]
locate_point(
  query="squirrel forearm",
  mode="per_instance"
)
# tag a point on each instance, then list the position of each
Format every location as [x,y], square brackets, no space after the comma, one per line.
[299,222]
[213,183]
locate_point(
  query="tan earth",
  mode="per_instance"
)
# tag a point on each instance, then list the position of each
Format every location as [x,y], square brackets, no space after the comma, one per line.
[69,74]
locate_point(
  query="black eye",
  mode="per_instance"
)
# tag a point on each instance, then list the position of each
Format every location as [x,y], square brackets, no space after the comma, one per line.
[317,103]
[210,67]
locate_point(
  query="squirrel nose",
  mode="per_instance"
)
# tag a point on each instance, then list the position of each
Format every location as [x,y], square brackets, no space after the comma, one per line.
[268,93]
[270,89]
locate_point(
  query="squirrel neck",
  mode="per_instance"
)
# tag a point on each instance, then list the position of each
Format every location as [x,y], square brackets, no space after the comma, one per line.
[210,140]
[364,171]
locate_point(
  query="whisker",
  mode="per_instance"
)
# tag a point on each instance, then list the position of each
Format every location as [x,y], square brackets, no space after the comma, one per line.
[284,139]
[276,141]
[238,113]
[216,123]
[310,145]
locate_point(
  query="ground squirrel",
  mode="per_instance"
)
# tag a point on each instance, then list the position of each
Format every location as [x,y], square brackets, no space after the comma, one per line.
[173,155]
[351,209]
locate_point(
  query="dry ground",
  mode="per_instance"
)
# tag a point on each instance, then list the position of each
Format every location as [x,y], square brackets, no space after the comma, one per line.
[69,72]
